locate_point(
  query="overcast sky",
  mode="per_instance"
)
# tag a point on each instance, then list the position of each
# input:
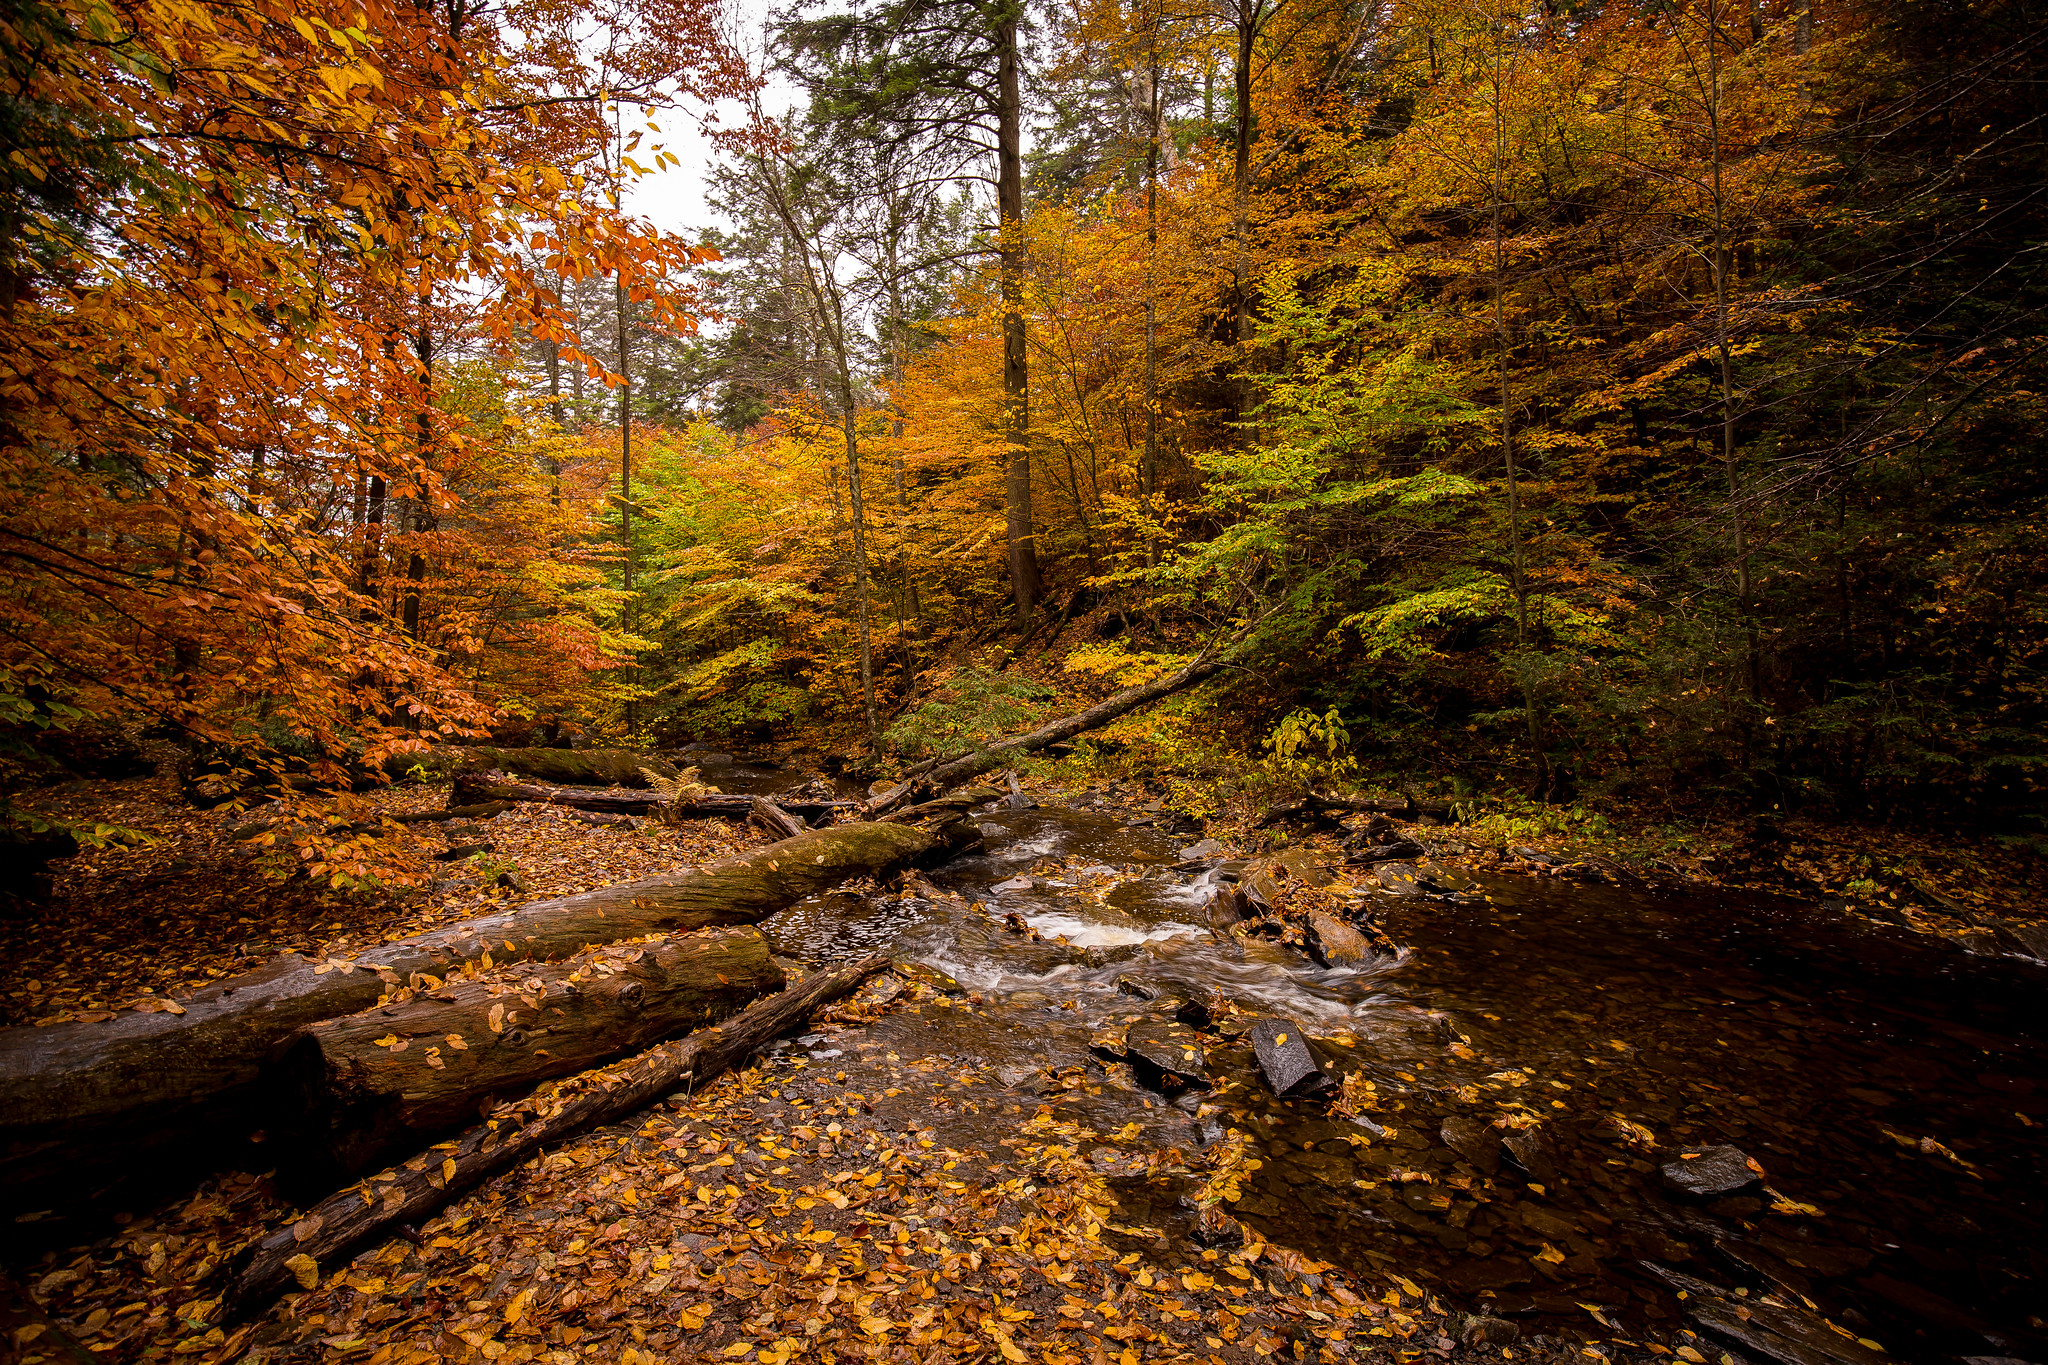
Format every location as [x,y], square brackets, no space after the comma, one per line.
[673,198]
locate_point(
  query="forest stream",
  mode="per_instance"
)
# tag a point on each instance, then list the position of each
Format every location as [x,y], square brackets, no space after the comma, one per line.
[1894,1104]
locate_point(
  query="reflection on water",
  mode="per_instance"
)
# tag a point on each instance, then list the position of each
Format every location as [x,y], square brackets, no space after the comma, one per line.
[1895,1096]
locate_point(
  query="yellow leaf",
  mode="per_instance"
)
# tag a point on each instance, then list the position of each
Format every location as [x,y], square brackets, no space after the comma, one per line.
[497,1019]
[448,1168]
[875,1327]
[305,1270]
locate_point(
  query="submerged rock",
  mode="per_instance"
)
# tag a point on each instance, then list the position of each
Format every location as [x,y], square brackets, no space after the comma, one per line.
[1531,1151]
[1227,907]
[1477,1329]
[1478,1143]
[1401,879]
[1710,1171]
[1285,1060]
[1791,1336]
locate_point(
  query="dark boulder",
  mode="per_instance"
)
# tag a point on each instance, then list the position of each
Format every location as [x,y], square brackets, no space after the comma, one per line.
[1169,1052]
[1285,1059]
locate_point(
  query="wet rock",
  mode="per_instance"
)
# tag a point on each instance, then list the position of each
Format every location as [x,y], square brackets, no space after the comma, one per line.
[1477,1329]
[1128,984]
[1029,1079]
[1107,956]
[1169,1048]
[1260,886]
[1233,870]
[1194,1011]
[1791,1336]
[1401,879]
[1285,1060]
[1531,1151]
[1013,884]
[1707,1171]
[1333,943]
[1306,865]
[1387,852]
[1535,855]
[1207,848]
[2030,940]
[1123,1076]
[1227,907]
[1478,1143]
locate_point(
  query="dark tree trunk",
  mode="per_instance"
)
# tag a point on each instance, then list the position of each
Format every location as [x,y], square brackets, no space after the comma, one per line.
[1024,581]
[570,767]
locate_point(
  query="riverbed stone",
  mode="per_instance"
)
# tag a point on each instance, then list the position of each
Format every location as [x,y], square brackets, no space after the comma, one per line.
[1333,943]
[1477,1142]
[1169,1048]
[1206,848]
[1285,1060]
[1707,1171]
[1402,879]
[1227,907]
[1531,1151]
[1478,1329]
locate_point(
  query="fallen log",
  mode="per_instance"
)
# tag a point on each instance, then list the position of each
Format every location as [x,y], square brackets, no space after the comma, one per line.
[565,767]
[774,818]
[1008,751]
[493,786]
[1312,807]
[438,1054]
[82,1102]
[408,1194]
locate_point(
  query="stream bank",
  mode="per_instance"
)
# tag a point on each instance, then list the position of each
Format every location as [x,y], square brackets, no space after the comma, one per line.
[1890,1093]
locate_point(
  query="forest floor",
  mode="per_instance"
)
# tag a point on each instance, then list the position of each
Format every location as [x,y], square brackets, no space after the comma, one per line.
[779,1214]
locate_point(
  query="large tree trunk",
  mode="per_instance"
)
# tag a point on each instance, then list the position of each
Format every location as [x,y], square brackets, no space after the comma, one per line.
[472,788]
[408,1194]
[569,767]
[1011,749]
[82,1102]
[438,1056]
[1023,545]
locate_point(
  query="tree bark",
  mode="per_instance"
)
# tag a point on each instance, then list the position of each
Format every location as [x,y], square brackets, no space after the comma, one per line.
[774,818]
[1024,580]
[438,1055]
[80,1103]
[472,788]
[411,1192]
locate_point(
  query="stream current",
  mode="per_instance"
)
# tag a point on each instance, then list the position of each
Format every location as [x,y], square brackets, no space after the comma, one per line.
[1895,1094]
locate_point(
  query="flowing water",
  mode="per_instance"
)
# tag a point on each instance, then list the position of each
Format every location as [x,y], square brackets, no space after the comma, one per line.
[1894,1095]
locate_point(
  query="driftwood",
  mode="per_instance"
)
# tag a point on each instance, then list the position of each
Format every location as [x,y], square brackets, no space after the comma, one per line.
[775,819]
[81,1102]
[494,786]
[1008,751]
[954,804]
[439,1054]
[409,1193]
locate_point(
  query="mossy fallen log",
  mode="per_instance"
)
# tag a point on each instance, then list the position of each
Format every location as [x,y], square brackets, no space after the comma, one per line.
[496,786]
[437,1054]
[565,767]
[82,1103]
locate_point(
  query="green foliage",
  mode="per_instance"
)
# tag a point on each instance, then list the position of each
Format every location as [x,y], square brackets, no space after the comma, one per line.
[1310,749]
[972,708]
